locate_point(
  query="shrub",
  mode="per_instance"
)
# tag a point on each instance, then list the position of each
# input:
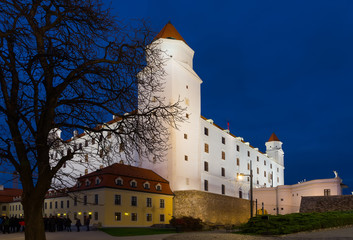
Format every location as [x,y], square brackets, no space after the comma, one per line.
[296,222]
[187,223]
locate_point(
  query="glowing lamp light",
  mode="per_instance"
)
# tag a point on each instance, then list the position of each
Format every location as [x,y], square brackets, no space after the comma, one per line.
[64,214]
[90,213]
[79,213]
[126,214]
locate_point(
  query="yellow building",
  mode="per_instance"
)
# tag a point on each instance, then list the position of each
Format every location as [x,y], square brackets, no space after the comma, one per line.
[115,196]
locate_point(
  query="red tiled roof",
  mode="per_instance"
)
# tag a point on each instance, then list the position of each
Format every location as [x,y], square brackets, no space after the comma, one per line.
[169,31]
[273,138]
[127,173]
[8,194]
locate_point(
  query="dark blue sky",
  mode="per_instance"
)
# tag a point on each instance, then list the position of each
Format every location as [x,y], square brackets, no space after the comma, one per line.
[272,66]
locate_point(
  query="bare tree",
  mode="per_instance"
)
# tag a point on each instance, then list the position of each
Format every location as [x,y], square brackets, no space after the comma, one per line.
[68,65]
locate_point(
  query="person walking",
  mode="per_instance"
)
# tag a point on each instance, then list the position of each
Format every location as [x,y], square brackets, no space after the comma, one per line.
[68,224]
[6,225]
[78,224]
[87,222]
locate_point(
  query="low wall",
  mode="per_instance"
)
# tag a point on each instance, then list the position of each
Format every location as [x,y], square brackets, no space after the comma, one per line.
[326,203]
[211,208]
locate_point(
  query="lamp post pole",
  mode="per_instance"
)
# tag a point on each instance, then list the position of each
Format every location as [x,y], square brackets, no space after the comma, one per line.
[251,192]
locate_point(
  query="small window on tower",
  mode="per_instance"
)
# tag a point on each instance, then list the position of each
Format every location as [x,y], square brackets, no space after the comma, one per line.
[206,131]
[187,87]
[257,158]
[248,154]
[264,162]
[223,155]
[186,158]
[223,140]
[238,148]
[185,136]
[206,148]
[238,162]
[187,116]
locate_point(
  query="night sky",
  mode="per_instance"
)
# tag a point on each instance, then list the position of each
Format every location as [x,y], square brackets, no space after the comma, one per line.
[271,66]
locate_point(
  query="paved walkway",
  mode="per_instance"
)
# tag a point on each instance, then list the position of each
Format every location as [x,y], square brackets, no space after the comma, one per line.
[327,234]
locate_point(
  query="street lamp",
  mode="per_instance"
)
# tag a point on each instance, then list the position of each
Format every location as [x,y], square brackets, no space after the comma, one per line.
[251,190]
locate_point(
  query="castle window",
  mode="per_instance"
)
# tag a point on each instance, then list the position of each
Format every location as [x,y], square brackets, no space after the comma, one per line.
[257,182]
[327,192]
[117,199]
[96,199]
[277,169]
[186,158]
[257,158]
[238,162]
[205,166]
[206,131]
[98,180]
[278,179]
[88,183]
[161,218]
[148,217]
[223,155]
[185,136]
[265,162]
[206,148]
[248,166]
[223,172]
[187,87]
[118,216]
[223,189]
[159,187]
[238,148]
[133,201]
[85,200]
[96,216]
[187,116]
[134,217]
[86,143]
[223,140]
[264,173]
[146,185]
[271,165]
[148,202]
[205,185]
[161,203]
[133,183]
[240,194]
[257,170]
[248,153]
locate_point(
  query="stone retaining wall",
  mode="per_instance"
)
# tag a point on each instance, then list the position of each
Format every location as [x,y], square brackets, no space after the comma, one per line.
[211,208]
[326,203]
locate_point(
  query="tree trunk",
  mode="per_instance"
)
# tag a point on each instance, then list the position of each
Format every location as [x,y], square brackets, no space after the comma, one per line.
[32,206]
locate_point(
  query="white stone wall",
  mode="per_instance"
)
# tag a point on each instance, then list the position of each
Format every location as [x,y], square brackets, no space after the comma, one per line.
[286,199]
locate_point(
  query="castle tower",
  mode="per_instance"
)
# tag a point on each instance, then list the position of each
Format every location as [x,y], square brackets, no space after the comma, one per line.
[274,149]
[181,166]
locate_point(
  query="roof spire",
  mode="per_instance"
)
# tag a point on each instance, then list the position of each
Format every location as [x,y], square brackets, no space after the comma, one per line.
[169,32]
[273,138]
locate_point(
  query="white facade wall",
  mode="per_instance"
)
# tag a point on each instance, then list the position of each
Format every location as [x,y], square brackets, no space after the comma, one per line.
[234,185]
[286,199]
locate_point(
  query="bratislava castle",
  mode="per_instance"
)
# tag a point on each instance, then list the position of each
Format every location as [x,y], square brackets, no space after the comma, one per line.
[202,156]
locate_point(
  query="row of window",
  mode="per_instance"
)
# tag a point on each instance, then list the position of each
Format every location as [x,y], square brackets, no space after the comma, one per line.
[118,217]
[223,187]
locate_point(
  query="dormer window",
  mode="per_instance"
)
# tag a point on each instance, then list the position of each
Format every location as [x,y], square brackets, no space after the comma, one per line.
[146,185]
[78,184]
[119,181]
[159,187]
[133,183]
[87,183]
[98,180]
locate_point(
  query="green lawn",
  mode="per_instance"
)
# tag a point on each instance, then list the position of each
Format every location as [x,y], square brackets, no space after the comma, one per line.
[135,231]
[296,222]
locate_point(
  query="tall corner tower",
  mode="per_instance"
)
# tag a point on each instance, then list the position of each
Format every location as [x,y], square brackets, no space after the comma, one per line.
[181,166]
[274,149]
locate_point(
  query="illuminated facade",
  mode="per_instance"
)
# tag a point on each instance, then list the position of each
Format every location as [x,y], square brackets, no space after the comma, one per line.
[204,156]
[118,195]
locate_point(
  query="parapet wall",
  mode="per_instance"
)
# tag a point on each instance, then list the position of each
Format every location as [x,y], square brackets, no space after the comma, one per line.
[326,203]
[211,208]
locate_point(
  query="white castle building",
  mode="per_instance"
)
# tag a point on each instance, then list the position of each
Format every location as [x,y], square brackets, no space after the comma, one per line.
[203,156]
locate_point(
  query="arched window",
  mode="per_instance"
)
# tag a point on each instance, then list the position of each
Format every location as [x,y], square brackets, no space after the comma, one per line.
[98,180]
[146,185]
[88,182]
[119,181]
[133,183]
[159,187]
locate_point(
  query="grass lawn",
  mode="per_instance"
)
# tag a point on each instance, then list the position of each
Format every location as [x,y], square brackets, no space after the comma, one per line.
[135,231]
[296,222]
